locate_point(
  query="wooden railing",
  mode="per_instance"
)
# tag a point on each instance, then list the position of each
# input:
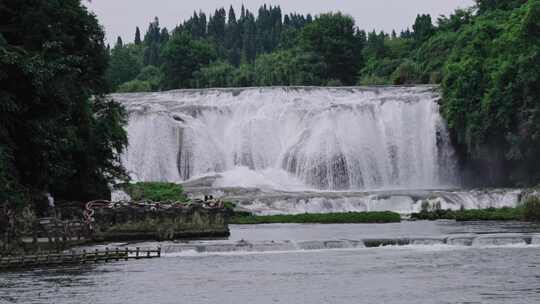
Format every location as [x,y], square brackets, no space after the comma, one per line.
[82,257]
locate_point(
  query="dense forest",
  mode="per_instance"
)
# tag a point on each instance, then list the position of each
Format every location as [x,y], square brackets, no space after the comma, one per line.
[61,134]
[485,58]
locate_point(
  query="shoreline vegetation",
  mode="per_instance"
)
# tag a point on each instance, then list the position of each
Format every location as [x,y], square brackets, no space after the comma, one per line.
[314,218]
[528,211]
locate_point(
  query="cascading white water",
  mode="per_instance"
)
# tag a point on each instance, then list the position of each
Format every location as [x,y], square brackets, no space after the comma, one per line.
[291,138]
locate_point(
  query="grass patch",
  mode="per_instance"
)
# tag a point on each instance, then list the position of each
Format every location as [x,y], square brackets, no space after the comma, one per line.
[328,218]
[155,192]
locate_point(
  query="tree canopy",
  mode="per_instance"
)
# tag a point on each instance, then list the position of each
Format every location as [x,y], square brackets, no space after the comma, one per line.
[58,132]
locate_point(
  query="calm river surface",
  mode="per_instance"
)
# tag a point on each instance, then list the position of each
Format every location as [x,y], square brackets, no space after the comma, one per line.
[498,272]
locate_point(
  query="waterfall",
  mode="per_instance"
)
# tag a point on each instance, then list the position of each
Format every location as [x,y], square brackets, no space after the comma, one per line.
[291,138]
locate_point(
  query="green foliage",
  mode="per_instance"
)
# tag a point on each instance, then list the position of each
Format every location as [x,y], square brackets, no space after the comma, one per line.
[155,192]
[125,64]
[489,5]
[372,80]
[215,75]
[490,214]
[333,37]
[328,218]
[289,68]
[135,86]
[490,88]
[182,58]
[423,28]
[408,72]
[334,83]
[243,76]
[11,192]
[531,209]
[57,132]
[147,80]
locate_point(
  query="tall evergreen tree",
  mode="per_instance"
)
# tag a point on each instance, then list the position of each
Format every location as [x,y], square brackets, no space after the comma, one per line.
[152,42]
[119,42]
[138,36]
[423,28]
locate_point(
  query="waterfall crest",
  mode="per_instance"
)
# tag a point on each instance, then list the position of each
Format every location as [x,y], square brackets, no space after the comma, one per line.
[299,137]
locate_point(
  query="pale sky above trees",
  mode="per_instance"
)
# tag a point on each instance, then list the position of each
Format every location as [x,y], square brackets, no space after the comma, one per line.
[120,17]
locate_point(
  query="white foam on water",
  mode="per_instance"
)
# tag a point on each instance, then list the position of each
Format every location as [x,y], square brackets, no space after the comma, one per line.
[280,247]
[270,178]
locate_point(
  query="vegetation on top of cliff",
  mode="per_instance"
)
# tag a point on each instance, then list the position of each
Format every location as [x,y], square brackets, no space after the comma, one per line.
[327,218]
[155,192]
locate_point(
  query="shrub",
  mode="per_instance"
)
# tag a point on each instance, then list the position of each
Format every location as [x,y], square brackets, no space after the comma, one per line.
[531,209]
[135,86]
[156,192]
[327,218]
[334,83]
[407,73]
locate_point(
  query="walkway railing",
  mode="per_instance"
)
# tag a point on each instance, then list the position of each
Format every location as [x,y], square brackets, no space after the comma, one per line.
[75,258]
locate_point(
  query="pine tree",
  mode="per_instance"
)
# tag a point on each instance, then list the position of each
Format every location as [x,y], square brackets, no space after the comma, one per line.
[152,41]
[164,36]
[138,36]
[119,42]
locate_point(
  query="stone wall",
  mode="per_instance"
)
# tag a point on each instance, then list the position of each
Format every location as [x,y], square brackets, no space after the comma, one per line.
[127,223]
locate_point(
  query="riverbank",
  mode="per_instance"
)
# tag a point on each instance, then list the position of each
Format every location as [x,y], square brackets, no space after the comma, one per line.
[328,218]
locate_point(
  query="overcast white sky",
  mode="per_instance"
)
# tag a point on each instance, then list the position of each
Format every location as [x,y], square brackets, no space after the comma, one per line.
[120,17]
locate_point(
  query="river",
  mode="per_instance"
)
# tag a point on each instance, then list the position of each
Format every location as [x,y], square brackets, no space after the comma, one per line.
[497,267]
